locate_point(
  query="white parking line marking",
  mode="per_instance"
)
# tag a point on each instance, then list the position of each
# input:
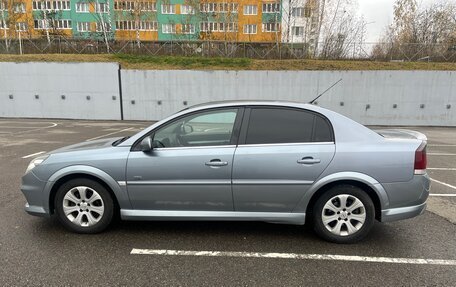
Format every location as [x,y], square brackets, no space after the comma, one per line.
[53,125]
[443,183]
[33,154]
[295,256]
[442,194]
[436,153]
[99,137]
[441,168]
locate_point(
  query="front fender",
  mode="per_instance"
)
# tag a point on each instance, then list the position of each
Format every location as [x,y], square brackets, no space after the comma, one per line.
[120,192]
[355,176]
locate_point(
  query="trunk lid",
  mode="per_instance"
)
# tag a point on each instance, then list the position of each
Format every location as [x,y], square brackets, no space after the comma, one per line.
[401,134]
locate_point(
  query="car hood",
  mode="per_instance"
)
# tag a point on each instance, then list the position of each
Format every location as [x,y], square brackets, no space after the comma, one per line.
[87,145]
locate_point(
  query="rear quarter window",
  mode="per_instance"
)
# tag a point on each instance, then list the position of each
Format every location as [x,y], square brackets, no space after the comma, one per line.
[322,130]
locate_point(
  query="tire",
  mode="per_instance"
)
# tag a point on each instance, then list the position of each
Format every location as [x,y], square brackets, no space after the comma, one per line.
[337,222]
[84,206]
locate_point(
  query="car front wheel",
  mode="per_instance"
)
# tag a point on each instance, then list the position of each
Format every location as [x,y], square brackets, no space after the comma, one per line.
[84,206]
[343,214]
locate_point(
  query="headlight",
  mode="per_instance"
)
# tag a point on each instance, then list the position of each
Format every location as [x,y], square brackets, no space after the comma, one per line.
[35,162]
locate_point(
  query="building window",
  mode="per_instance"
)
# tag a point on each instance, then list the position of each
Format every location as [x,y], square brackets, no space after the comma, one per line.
[223,7]
[51,5]
[219,7]
[83,26]
[234,7]
[42,5]
[169,28]
[148,6]
[82,8]
[188,29]
[124,5]
[250,10]
[168,9]
[40,24]
[99,27]
[187,9]
[3,24]
[209,7]
[307,11]
[124,25]
[250,29]
[271,7]
[19,8]
[297,12]
[62,24]
[21,26]
[231,27]
[204,27]
[101,8]
[297,30]
[133,26]
[218,27]
[271,27]
[148,25]
[61,5]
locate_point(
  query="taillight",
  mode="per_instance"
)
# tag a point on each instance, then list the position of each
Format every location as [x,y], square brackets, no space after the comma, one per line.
[420,159]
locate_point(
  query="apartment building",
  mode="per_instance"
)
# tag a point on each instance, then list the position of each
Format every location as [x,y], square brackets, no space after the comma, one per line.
[294,21]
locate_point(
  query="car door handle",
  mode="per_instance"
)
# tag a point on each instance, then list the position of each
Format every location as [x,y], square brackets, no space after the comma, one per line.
[216,163]
[308,160]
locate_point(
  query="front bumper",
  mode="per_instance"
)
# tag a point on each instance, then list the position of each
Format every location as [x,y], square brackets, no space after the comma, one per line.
[33,188]
[36,210]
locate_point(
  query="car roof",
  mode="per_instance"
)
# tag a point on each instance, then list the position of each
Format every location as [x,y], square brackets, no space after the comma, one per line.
[245,103]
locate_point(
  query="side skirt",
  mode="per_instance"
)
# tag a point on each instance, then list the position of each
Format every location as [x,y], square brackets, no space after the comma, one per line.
[184,215]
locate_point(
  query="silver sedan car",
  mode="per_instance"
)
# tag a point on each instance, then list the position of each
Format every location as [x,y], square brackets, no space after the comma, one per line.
[278,162]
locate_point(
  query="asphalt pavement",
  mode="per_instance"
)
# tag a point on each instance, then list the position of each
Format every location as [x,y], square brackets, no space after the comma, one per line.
[38,251]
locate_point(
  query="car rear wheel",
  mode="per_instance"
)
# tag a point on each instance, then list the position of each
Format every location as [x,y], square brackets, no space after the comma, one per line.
[343,214]
[84,206]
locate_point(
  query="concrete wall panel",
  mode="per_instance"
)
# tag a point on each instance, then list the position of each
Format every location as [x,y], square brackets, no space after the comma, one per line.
[153,95]
[50,81]
[381,90]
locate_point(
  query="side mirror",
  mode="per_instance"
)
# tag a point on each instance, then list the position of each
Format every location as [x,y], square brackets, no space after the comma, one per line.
[186,129]
[146,144]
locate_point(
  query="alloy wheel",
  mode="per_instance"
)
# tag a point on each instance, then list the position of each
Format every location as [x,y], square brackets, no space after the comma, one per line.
[343,215]
[83,206]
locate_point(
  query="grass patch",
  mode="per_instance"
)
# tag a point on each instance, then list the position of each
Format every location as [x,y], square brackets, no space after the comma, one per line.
[147,62]
[186,62]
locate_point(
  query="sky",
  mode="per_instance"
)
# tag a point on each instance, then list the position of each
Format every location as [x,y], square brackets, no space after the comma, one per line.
[381,13]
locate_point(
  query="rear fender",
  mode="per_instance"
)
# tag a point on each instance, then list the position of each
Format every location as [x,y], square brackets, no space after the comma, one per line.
[340,176]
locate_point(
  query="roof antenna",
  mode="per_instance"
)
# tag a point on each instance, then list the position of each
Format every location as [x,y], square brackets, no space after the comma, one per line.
[312,101]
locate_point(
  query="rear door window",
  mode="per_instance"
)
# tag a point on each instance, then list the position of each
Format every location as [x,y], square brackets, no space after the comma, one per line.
[283,125]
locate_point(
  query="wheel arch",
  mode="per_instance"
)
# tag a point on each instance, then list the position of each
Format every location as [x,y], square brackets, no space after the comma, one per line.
[368,184]
[118,193]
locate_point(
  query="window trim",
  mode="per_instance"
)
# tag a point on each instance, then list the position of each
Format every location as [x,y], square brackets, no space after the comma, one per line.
[246,120]
[234,134]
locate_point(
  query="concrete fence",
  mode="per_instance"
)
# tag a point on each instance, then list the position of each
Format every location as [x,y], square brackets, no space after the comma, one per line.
[92,91]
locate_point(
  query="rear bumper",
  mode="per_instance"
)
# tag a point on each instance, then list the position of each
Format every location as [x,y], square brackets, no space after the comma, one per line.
[400,213]
[406,199]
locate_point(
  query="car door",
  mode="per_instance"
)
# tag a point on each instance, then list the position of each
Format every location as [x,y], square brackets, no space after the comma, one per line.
[190,166]
[281,152]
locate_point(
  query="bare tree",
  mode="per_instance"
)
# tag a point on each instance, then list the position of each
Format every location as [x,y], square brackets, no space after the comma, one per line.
[419,32]
[104,21]
[340,28]
[4,23]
